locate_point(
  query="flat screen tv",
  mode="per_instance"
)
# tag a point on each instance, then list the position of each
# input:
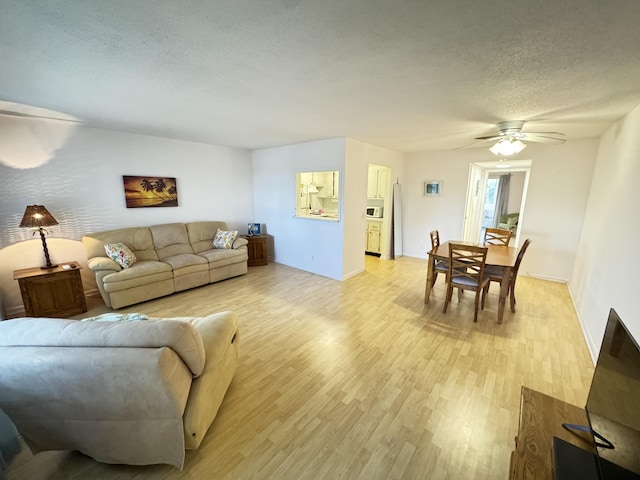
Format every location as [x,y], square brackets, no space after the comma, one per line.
[613,404]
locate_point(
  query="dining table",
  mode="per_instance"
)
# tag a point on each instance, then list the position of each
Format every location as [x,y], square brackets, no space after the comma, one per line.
[497,255]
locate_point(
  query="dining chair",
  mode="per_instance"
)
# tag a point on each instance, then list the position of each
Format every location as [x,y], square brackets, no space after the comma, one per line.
[441,266]
[466,272]
[497,236]
[496,273]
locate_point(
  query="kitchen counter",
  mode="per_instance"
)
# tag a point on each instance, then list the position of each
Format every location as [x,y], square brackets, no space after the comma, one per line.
[320,216]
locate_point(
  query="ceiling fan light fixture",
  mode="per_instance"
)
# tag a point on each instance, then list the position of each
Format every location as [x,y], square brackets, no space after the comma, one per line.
[507,146]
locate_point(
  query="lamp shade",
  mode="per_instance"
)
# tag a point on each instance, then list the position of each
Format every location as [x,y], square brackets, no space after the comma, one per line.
[507,146]
[36,216]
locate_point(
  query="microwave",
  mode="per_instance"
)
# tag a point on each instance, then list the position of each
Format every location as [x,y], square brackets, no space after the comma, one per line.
[374,212]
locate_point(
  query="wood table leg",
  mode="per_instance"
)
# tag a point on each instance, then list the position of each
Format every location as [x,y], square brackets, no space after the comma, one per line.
[430,272]
[504,291]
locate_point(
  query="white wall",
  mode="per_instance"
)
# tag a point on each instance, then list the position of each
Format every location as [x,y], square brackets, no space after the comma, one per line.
[81,185]
[556,201]
[359,156]
[607,261]
[313,245]
[334,250]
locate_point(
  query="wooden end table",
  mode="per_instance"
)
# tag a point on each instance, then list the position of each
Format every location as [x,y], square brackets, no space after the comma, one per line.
[257,250]
[52,292]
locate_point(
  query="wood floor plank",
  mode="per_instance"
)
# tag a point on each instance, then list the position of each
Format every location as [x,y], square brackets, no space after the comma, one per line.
[361,380]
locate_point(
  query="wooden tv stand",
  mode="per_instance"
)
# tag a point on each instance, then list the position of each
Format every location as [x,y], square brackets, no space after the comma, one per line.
[541,419]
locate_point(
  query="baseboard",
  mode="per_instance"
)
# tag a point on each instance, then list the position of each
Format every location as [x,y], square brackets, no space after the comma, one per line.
[353,274]
[15,312]
[585,333]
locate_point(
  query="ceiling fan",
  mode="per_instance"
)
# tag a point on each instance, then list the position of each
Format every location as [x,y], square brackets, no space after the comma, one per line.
[510,138]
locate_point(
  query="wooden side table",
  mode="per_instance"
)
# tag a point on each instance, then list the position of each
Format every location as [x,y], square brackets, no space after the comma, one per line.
[257,250]
[52,292]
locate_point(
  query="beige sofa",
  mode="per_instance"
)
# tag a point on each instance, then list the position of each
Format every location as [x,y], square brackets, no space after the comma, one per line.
[136,393]
[170,258]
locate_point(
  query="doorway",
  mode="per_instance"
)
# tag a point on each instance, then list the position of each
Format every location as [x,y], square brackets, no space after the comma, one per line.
[379,200]
[496,197]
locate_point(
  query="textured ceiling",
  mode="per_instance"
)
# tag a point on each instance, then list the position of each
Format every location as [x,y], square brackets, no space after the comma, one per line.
[409,75]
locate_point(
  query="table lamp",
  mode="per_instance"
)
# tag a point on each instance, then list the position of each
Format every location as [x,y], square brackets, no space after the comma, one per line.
[37,216]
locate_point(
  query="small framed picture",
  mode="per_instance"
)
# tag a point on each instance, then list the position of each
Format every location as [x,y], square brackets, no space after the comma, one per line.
[254,229]
[432,188]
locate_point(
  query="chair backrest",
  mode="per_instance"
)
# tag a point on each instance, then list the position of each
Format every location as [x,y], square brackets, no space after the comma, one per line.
[497,236]
[523,249]
[466,263]
[435,239]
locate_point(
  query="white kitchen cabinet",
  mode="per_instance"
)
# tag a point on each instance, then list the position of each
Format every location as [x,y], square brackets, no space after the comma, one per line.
[382,182]
[373,237]
[377,182]
[330,185]
[319,178]
[372,183]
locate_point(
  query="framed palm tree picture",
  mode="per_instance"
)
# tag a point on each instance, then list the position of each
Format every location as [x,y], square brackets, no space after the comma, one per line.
[141,191]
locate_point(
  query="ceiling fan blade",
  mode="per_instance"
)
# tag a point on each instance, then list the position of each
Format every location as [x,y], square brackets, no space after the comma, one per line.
[468,145]
[553,138]
[512,131]
[43,117]
[490,138]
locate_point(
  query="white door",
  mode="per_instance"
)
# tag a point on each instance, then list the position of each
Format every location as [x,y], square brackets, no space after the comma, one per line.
[475,202]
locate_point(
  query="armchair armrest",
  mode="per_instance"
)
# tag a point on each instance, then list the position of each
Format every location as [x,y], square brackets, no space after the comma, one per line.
[103,263]
[239,242]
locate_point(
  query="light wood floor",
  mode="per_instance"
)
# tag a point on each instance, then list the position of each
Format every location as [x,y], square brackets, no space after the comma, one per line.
[361,380]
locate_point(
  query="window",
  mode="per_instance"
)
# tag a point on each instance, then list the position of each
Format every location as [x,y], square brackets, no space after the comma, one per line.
[317,195]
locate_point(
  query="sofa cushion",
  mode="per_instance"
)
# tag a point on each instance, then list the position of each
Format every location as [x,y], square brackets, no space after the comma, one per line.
[170,239]
[186,263]
[180,336]
[140,273]
[219,257]
[120,253]
[201,234]
[138,239]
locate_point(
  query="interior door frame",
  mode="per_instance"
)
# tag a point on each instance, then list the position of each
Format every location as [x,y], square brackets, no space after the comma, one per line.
[476,189]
